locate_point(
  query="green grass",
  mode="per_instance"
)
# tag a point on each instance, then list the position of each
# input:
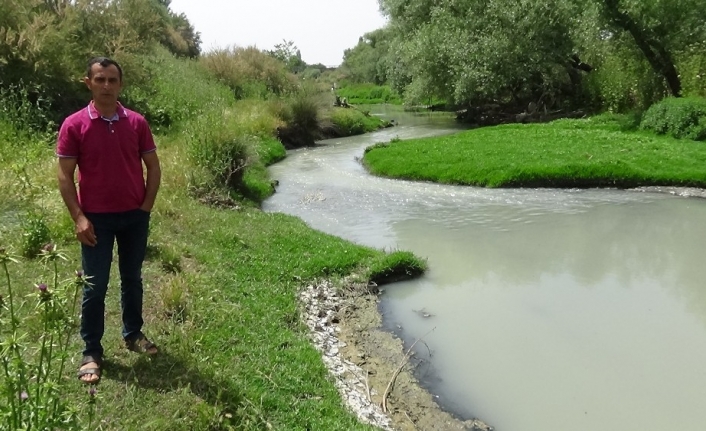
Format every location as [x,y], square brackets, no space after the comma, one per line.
[368,94]
[566,153]
[351,121]
[221,301]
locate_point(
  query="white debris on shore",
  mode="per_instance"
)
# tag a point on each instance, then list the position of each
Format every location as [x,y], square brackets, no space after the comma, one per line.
[320,314]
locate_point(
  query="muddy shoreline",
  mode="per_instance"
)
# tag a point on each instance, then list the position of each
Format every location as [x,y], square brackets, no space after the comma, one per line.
[370,365]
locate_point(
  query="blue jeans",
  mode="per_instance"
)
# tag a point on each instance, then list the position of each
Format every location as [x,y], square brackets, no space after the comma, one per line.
[130,230]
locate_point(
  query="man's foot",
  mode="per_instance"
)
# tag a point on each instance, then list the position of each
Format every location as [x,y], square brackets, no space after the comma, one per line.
[140,344]
[89,371]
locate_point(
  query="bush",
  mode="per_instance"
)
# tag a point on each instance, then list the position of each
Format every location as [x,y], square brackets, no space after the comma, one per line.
[300,113]
[232,147]
[35,235]
[682,118]
[172,90]
[219,147]
[350,122]
[249,72]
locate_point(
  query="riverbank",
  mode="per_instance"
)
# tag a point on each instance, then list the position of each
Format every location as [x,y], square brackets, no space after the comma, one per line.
[593,152]
[222,285]
[374,372]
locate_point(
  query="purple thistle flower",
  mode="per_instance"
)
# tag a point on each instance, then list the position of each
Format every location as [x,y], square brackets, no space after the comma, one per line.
[42,287]
[24,395]
[92,391]
[79,273]
[48,248]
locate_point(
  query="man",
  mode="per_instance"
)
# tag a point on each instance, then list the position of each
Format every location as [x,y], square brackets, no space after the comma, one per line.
[108,144]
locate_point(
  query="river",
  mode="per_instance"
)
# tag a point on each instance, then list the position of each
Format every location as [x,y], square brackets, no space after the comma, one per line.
[543,309]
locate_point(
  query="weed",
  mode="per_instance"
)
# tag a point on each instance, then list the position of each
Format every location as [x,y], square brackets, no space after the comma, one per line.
[173,294]
[33,383]
[35,234]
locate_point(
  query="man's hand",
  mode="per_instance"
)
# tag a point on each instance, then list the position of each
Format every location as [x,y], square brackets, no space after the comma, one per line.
[84,231]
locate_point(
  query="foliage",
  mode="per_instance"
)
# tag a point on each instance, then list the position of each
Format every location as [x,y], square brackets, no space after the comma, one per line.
[677,117]
[44,46]
[289,54]
[35,235]
[469,51]
[300,115]
[367,94]
[33,384]
[173,90]
[564,153]
[230,148]
[368,60]
[615,54]
[219,147]
[351,121]
[249,72]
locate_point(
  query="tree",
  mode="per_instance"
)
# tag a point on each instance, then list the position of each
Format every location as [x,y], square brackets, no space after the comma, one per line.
[289,54]
[476,51]
[368,61]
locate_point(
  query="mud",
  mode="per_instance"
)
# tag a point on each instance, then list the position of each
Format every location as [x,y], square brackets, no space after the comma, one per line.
[381,365]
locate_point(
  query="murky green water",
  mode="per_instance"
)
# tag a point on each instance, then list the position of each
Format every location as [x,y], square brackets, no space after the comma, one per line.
[548,309]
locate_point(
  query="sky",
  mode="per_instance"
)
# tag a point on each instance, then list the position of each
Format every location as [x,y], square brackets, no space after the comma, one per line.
[321,29]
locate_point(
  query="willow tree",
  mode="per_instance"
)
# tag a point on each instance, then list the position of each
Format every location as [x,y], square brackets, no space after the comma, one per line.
[660,29]
[478,51]
[368,60]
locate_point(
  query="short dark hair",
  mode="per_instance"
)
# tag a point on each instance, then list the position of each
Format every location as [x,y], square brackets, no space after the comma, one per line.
[105,62]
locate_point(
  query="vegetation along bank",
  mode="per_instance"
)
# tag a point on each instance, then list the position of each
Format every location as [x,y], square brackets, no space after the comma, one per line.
[223,277]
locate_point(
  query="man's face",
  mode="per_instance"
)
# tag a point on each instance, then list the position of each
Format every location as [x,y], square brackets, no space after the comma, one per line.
[104,83]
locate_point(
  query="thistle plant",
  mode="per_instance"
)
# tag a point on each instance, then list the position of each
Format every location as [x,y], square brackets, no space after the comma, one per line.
[32,379]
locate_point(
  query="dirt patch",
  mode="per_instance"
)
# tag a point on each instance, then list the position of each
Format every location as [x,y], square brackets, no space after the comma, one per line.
[370,364]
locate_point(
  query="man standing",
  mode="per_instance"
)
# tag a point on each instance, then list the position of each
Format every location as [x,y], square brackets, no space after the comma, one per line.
[109,144]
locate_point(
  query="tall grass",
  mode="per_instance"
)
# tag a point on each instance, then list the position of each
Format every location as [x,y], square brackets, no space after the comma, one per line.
[249,72]
[173,90]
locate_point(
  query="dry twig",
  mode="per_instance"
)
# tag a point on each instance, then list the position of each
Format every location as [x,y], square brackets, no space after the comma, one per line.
[403,362]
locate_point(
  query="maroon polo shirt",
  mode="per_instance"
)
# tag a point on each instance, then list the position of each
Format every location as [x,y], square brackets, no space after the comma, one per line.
[109,157]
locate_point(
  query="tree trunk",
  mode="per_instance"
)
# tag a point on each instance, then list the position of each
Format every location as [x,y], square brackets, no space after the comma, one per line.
[653,49]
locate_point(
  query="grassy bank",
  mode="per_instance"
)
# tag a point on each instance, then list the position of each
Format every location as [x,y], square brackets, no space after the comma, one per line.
[221,287]
[595,152]
[368,94]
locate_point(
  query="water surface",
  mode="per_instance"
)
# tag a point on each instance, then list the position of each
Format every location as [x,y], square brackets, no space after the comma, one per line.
[546,309]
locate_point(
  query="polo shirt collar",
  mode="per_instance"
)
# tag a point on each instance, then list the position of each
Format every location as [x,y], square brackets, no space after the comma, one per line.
[93,113]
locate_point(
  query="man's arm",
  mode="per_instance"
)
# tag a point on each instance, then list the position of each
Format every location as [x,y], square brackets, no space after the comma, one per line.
[154,177]
[67,187]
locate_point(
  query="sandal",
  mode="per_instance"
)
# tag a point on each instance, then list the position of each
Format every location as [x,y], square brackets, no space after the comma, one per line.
[96,371]
[140,344]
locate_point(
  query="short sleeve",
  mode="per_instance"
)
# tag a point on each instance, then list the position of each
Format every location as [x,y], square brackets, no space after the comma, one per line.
[67,144]
[147,144]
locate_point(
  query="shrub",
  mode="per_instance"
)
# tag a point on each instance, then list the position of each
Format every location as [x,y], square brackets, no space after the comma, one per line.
[35,235]
[249,72]
[219,147]
[300,113]
[353,122]
[233,146]
[683,118]
[172,90]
